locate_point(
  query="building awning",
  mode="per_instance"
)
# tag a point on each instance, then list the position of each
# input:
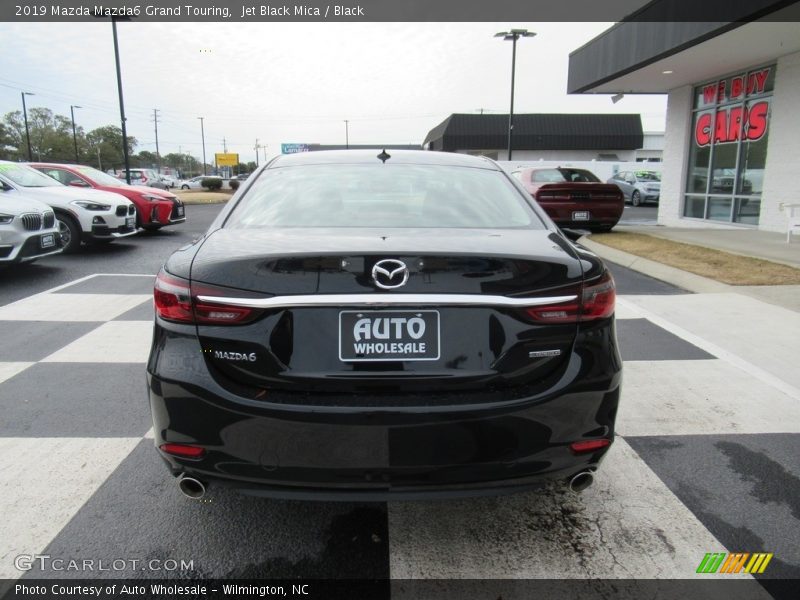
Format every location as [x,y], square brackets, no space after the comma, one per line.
[644,56]
[538,132]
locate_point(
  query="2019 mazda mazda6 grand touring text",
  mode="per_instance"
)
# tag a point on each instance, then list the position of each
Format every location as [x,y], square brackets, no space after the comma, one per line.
[364,325]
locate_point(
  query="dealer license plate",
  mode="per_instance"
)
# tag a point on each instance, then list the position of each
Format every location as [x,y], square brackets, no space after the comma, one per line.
[581,215]
[48,240]
[382,335]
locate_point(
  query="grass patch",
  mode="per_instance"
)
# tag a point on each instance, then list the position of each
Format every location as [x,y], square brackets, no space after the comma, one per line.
[714,264]
[203,196]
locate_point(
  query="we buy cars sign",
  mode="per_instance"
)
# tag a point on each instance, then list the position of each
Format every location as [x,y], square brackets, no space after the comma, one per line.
[728,124]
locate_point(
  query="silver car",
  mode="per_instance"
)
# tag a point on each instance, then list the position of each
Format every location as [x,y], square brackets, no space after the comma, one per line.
[28,229]
[639,186]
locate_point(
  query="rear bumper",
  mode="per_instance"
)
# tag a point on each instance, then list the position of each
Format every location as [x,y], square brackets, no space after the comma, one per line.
[368,453]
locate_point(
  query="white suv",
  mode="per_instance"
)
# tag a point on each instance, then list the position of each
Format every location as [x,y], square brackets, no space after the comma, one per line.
[81,214]
[28,229]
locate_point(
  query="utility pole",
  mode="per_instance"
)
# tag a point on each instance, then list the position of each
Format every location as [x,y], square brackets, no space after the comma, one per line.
[203,135]
[264,147]
[72,108]
[125,155]
[158,156]
[27,131]
[224,146]
[256,147]
[347,134]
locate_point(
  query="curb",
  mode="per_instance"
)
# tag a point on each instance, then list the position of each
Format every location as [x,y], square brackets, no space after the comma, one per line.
[682,279]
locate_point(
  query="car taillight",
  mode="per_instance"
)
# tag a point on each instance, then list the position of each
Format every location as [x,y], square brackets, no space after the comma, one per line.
[177,300]
[595,300]
[552,196]
[172,298]
[599,298]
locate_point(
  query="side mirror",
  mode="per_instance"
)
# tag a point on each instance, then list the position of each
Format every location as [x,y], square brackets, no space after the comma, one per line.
[78,183]
[5,187]
[574,234]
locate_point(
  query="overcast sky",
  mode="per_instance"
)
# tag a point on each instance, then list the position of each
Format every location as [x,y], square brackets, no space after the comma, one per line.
[294,82]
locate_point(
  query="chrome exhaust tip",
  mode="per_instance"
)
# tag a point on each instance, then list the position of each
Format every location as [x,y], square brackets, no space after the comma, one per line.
[192,488]
[581,481]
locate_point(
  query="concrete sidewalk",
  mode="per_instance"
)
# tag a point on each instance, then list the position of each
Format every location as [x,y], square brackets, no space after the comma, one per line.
[744,242]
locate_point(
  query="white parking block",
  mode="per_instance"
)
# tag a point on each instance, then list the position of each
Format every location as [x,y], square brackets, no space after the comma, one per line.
[71,307]
[627,525]
[43,483]
[9,369]
[113,342]
[683,397]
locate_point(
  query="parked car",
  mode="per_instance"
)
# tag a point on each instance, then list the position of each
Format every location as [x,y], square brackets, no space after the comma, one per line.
[638,187]
[240,177]
[154,208]
[574,197]
[82,214]
[195,183]
[170,181]
[371,326]
[28,229]
[146,177]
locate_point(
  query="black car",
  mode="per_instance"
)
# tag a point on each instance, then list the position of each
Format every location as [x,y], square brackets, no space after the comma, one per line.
[360,325]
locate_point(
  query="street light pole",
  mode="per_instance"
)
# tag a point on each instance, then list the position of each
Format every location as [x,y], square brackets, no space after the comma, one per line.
[27,131]
[125,155]
[347,134]
[512,36]
[72,108]
[203,136]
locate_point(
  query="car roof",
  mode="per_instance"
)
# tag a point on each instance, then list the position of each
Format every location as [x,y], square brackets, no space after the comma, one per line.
[407,157]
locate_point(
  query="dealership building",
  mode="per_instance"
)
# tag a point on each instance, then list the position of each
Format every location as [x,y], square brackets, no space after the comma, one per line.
[732,140]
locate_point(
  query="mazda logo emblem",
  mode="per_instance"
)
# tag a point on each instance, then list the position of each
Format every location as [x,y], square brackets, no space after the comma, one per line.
[389,273]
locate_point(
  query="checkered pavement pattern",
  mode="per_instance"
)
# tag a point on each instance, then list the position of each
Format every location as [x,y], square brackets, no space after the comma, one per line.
[705,461]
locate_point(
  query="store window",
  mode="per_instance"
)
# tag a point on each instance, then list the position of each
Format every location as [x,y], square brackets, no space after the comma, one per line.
[730,127]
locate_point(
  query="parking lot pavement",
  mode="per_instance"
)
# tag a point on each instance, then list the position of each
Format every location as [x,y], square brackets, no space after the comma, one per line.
[705,461]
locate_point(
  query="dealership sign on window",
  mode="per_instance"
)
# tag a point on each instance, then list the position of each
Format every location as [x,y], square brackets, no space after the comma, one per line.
[742,120]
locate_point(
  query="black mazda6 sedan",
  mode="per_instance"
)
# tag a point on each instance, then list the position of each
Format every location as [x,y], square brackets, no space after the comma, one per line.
[366,326]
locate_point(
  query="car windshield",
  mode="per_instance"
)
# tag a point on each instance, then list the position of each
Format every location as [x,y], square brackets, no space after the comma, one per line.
[563,175]
[648,176]
[26,176]
[385,196]
[99,177]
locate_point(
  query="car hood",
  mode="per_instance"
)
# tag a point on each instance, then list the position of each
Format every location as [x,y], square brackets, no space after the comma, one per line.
[63,195]
[145,189]
[16,204]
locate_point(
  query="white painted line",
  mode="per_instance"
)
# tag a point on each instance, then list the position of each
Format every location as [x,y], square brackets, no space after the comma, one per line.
[626,310]
[9,369]
[71,307]
[745,335]
[43,483]
[112,342]
[150,435]
[86,278]
[699,397]
[627,525]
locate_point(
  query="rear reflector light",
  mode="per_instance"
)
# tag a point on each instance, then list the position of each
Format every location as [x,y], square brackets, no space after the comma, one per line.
[597,302]
[587,446]
[176,300]
[183,450]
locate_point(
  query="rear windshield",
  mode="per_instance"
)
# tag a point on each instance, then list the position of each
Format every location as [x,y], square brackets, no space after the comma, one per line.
[562,175]
[383,196]
[648,176]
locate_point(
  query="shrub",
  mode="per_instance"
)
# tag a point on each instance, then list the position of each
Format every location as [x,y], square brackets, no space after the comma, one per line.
[234,183]
[211,183]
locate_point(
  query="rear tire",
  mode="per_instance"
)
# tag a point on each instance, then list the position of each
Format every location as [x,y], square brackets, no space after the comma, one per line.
[636,198]
[603,229]
[70,233]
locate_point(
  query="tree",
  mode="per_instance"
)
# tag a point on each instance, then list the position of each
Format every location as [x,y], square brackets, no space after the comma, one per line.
[105,145]
[7,145]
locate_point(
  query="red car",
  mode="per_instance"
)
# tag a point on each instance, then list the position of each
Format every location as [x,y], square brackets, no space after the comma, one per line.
[574,198]
[154,208]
